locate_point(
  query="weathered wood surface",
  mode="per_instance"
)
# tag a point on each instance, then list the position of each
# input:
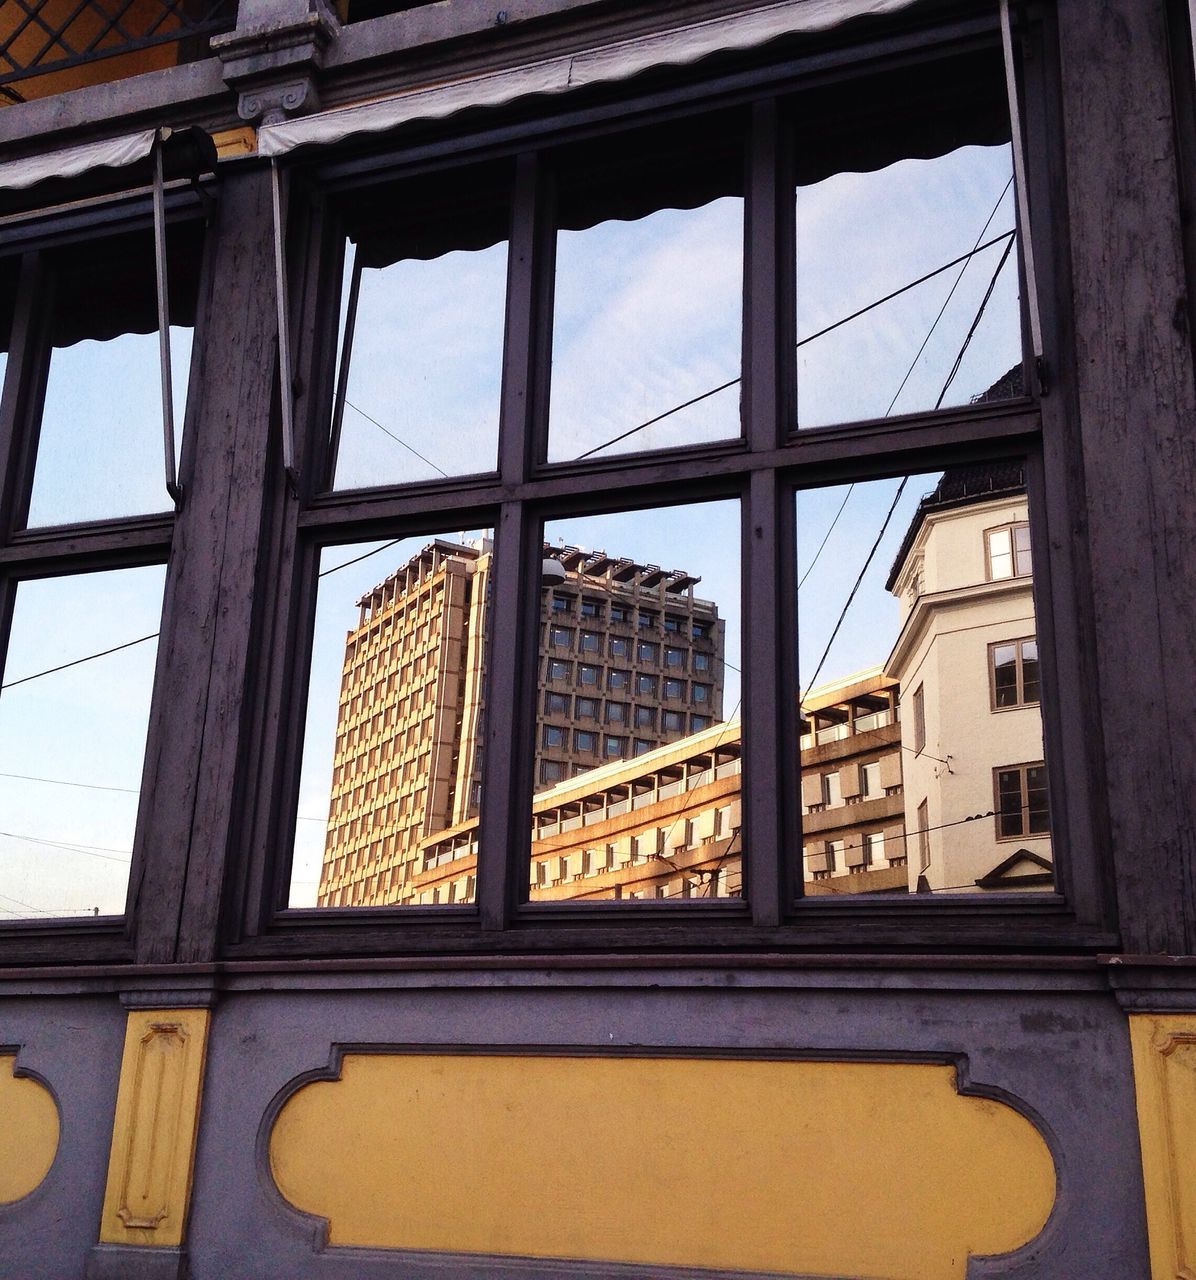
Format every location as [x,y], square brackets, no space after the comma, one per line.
[1137,418]
[198,729]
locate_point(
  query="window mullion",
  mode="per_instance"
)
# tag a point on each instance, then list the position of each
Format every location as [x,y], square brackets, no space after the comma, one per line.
[766,333]
[23,380]
[504,828]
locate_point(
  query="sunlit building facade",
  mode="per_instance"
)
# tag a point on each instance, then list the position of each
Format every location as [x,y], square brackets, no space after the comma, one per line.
[631,659]
[966,662]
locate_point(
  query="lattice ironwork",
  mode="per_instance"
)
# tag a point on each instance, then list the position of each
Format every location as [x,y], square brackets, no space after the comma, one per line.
[39,36]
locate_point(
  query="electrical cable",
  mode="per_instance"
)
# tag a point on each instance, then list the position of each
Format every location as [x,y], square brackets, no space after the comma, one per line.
[37,675]
[396,439]
[801,342]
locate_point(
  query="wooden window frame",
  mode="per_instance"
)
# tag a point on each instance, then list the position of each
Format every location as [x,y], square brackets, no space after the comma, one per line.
[1011,526]
[1021,704]
[1021,770]
[226,882]
[64,551]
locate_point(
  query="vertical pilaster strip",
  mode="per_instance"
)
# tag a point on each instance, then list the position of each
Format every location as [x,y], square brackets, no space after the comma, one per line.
[1164,1049]
[154,1131]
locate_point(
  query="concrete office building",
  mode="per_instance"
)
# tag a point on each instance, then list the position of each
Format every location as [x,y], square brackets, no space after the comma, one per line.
[966,661]
[853,811]
[630,660]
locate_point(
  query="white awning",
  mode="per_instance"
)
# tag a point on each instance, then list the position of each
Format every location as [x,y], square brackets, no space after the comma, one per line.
[111,153]
[609,63]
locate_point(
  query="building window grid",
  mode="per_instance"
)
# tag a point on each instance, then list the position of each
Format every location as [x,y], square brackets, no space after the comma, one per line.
[756,432]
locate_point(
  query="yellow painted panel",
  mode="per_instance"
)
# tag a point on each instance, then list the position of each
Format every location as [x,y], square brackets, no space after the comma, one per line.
[28,1132]
[153,1134]
[866,1169]
[1164,1047]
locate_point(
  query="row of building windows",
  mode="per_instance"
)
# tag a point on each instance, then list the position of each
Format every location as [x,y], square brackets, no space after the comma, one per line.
[559,669]
[645,651]
[590,607]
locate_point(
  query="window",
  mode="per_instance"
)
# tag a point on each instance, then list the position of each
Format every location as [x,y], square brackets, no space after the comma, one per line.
[560,637]
[832,791]
[874,842]
[85,536]
[553,736]
[923,834]
[1013,667]
[1008,552]
[870,780]
[556,704]
[585,210]
[1021,794]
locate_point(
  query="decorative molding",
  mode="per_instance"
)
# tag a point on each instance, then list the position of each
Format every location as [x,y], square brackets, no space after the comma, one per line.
[274,65]
[1164,1048]
[510,1129]
[153,1137]
[29,1131]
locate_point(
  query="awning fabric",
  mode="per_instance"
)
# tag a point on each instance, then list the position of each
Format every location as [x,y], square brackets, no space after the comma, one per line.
[110,153]
[611,63]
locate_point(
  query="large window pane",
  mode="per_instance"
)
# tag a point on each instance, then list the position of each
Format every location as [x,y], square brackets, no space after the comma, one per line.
[907,268]
[920,690]
[74,709]
[421,335]
[391,774]
[647,327]
[637,768]
[100,451]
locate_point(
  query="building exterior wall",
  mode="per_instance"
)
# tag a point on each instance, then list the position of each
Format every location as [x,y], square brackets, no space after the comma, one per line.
[915,1046]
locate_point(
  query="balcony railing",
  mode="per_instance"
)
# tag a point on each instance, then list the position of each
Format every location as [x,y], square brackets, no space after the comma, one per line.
[38,37]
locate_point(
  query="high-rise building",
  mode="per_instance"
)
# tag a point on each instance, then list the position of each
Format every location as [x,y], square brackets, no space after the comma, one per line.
[630,660]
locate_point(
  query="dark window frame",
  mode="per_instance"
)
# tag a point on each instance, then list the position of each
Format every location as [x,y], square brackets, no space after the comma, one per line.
[762,470]
[32,241]
[1020,702]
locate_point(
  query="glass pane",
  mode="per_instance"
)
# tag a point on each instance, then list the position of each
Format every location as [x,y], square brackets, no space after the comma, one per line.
[907,275]
[74,710]
[912,780]
[100,453]
[421,338]
[647,807]
[391,775]
[648,304]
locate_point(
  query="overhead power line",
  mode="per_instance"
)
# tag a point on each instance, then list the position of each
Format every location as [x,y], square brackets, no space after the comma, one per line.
[397,439]
[801,342]
[913,364]
[90,657]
